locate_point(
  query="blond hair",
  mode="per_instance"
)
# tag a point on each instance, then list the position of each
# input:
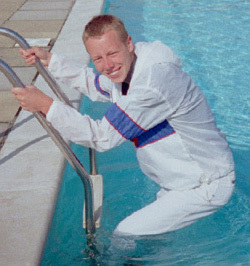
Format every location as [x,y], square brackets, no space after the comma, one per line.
[100,24]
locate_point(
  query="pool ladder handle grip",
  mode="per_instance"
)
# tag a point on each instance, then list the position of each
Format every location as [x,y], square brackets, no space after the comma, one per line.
[56,137]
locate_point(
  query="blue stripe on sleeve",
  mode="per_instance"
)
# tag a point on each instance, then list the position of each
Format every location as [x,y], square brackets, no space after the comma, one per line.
[122,122]
[98,87]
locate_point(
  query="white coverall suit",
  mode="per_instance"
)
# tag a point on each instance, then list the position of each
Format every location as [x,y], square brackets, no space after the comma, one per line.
[168,120]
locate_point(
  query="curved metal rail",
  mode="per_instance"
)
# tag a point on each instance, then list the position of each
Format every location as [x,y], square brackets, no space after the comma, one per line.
[51,82]
[63,146]
[41,69]
[56,137]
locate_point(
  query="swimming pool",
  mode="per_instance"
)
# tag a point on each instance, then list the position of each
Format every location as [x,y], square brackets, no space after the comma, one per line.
[211,39]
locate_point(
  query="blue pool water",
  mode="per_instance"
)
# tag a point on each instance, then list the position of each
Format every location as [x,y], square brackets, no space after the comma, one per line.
[211,38]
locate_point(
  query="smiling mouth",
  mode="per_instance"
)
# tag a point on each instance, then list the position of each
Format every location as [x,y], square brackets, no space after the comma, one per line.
[114,73]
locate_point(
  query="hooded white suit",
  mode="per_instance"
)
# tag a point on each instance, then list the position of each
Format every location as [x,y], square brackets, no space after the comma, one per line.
[170,123]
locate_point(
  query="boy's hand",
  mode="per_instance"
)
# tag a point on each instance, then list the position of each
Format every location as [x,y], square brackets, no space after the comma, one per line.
[32,99]
[35,52]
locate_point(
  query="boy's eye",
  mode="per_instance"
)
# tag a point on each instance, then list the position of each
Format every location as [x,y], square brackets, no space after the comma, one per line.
[97,59]
[113,53]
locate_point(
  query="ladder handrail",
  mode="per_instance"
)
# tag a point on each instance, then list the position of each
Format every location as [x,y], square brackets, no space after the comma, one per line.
[63,146]
[56,137]
[50,80]
[40,67]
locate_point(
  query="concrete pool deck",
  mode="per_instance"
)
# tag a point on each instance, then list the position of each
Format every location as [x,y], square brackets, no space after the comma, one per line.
[31,165]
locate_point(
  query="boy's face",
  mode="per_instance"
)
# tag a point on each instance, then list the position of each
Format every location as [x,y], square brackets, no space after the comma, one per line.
[110,55]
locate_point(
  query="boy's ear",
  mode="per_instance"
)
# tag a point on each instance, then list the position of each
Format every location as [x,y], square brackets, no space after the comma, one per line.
[130,44]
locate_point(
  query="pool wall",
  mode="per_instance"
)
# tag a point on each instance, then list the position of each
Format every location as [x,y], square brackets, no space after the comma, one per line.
[31,165]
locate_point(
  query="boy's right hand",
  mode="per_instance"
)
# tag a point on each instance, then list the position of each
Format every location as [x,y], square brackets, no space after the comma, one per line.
[35,52]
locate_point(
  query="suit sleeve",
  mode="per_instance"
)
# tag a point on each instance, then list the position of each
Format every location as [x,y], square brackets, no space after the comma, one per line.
[75,75]
[81,129]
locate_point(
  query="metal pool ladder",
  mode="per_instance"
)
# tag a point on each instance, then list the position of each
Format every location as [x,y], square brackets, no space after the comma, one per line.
[91,182]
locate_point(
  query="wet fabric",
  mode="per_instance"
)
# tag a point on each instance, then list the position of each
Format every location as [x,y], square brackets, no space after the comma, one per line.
[174,210]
